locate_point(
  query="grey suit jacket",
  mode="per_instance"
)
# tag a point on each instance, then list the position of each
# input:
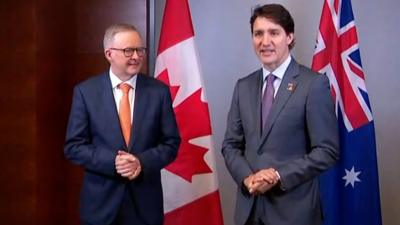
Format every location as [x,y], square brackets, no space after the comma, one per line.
[300,140]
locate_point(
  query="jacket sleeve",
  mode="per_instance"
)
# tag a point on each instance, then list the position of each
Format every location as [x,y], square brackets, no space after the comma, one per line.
[156,158]
[78,146]
[233,146]
[322,129]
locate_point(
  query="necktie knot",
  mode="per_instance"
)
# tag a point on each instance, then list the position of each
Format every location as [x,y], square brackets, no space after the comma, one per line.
[270,79]
[125,87]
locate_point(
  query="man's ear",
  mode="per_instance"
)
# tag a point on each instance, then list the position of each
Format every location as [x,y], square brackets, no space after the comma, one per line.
[107,54]
[290,38]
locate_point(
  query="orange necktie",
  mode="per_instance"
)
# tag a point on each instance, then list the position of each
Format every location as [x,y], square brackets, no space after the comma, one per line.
[125,112]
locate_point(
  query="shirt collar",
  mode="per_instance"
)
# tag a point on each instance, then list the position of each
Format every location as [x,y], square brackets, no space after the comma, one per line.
[280,71]
[115,81]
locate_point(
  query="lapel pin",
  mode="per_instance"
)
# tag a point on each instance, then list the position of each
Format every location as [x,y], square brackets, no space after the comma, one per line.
[291,86]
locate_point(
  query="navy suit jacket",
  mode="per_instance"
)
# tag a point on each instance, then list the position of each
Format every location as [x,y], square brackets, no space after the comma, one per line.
[94,136]
[299,139]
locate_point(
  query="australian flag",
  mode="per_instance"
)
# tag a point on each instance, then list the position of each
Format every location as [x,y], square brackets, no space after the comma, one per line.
[350,190]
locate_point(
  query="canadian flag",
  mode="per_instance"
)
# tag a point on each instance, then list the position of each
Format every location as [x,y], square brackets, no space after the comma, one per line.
[190,183]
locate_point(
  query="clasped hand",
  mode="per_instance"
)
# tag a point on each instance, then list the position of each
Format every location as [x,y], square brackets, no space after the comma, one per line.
[262,181]
[127,165]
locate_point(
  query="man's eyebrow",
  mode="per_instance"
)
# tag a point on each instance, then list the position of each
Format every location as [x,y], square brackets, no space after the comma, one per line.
[258,30]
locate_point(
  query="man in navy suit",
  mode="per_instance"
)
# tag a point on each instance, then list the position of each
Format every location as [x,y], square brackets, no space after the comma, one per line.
[122,160]
[281,130]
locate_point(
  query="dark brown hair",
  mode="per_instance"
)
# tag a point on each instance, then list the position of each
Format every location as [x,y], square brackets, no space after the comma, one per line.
[278,14]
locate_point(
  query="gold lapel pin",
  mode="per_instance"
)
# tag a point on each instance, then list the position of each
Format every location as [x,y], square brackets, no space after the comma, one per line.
[291,86]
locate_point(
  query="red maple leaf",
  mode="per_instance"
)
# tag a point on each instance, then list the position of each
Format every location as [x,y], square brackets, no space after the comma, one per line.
[193,121]
[165,78]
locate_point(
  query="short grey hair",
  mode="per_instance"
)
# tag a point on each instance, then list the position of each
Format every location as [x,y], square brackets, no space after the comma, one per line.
[112,30]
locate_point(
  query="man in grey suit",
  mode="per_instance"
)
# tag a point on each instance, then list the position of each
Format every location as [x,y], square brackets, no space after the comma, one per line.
[281,130]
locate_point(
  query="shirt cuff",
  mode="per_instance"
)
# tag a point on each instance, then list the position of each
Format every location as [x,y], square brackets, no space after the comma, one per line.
[280,182]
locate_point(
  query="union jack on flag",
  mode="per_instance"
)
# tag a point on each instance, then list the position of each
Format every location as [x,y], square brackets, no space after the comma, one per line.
[350,190]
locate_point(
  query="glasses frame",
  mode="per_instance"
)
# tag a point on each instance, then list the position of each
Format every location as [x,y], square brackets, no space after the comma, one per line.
[128,52]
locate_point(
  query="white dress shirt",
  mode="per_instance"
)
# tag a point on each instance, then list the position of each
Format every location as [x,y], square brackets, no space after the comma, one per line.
[278,72]
[115,81]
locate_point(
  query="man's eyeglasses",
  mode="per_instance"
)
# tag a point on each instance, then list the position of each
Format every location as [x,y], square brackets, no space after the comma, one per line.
[128,52]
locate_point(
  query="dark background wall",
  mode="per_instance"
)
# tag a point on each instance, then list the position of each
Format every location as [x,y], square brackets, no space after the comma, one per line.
[46,47]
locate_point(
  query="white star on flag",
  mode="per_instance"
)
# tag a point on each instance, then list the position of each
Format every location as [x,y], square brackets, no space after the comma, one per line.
[351,177]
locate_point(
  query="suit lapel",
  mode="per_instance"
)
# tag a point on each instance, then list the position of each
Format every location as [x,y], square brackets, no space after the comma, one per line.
[285,90]
[111,112]
[255,103]
[141,100]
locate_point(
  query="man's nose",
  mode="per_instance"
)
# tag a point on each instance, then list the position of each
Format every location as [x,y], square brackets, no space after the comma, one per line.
[266,39]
